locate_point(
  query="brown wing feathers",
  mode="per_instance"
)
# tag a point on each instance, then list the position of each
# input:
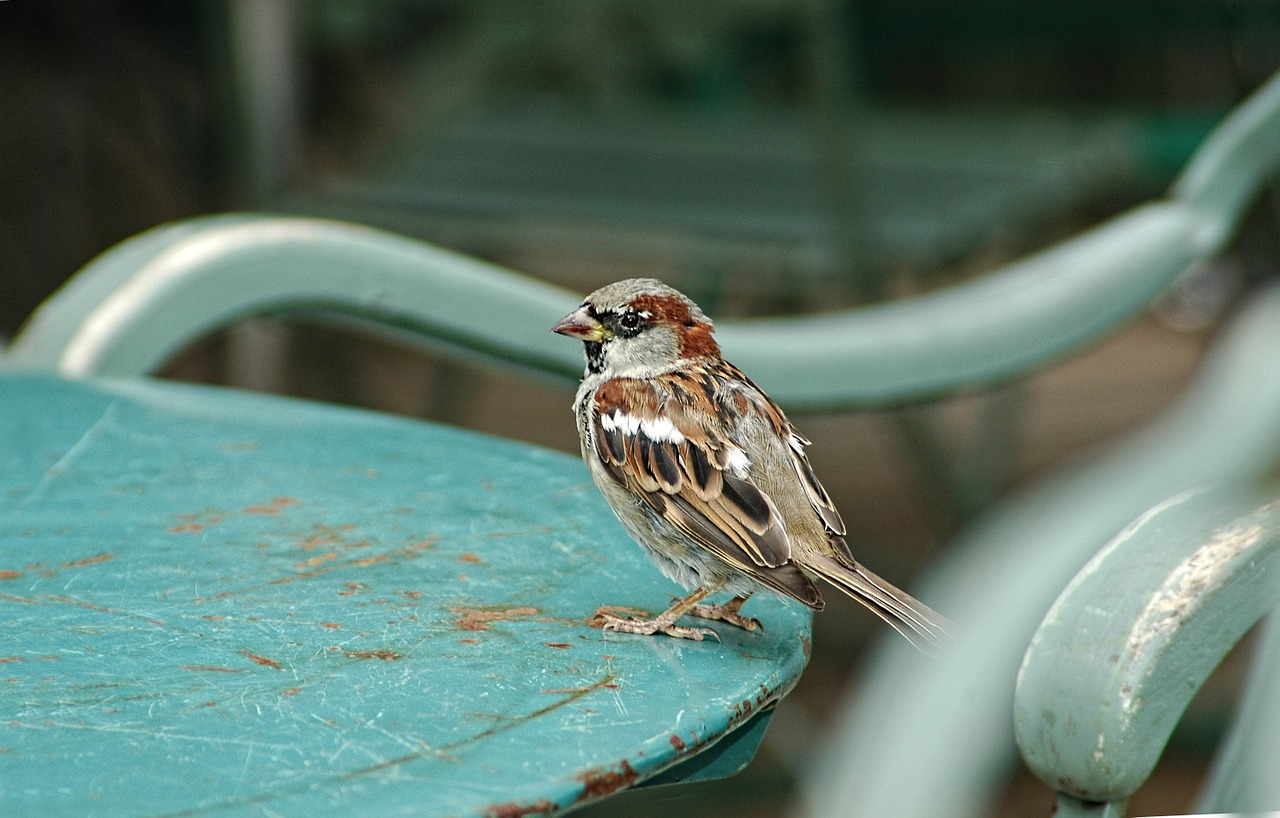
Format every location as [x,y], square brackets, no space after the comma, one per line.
[688,475]
[921,625]
[680,472]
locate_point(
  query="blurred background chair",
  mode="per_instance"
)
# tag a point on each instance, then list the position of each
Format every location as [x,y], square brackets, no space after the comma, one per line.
[720,178]
[1133,638]
[896,750]
[898,733]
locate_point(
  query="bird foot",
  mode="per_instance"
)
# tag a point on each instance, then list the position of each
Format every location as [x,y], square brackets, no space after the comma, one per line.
[728,612]
[607,619]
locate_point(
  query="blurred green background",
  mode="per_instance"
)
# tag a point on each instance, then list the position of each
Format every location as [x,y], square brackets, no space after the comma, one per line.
[765,156]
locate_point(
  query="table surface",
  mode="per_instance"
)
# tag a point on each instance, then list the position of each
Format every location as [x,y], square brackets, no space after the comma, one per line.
[224,603]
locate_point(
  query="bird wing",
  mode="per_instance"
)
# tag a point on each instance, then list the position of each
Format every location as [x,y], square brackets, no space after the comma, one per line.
[818,498]
[688,471]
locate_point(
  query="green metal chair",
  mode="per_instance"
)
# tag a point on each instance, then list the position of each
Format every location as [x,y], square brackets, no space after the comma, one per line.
[1109,674]
[937,739]
[920,738]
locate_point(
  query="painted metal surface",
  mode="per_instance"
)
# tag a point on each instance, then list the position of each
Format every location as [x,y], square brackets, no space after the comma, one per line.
[141,302]
[218,603]
[1244,777]
[1133,637]
[895,753]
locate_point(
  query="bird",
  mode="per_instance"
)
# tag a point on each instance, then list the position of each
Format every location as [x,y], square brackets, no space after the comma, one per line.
[706,473]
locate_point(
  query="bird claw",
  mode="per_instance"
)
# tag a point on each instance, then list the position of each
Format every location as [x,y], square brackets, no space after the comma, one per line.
[727,613]
[647,627]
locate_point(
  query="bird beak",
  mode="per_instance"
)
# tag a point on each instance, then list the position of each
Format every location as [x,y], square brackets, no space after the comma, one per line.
[579,324]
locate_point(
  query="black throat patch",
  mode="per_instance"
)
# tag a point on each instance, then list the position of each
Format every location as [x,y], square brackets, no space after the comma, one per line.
[595,356]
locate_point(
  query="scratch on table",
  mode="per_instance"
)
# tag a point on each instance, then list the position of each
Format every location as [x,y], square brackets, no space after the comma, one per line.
[93,606]
[410,744]
[59,466]
[384,655]
[618,703]
[150,733]
[248,756]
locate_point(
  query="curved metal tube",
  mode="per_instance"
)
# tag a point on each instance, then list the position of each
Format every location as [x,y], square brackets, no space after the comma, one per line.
[1133,637]
[926,737]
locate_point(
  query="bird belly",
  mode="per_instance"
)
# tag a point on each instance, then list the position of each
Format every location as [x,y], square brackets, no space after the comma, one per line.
[679,558]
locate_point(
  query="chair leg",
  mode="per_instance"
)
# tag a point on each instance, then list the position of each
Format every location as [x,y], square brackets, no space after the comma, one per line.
[1070,807]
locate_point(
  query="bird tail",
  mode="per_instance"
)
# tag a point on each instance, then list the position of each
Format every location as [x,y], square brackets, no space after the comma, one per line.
[922,626]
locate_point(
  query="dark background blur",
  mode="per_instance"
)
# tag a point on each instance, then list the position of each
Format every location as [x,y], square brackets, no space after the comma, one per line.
[765,156]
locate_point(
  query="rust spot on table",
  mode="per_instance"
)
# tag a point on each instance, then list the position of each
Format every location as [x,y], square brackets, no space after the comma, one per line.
[479,619]
[89,560]
[275,506]
[599,783]
[262,660]
[513,810]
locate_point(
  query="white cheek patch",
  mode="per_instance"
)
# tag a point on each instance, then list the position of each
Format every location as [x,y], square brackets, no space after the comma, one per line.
[660,430]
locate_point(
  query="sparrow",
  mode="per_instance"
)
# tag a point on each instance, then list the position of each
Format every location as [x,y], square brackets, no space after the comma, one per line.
[706,473]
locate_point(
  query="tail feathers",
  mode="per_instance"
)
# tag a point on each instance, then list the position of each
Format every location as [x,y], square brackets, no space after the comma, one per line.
[922,626]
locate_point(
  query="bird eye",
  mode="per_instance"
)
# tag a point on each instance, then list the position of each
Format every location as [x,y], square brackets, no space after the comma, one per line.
[629,320]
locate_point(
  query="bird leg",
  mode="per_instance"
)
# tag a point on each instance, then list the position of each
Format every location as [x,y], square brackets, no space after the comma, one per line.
[728,612]
[664,622]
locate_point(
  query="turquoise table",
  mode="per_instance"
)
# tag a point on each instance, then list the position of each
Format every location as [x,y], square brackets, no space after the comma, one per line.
[222,603]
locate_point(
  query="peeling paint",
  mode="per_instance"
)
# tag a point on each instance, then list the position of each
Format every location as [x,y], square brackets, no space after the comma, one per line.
[598,783]
[512,810]
[1183,590]
[88,561]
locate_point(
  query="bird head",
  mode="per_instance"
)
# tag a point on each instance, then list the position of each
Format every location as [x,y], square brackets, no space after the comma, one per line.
[638,328]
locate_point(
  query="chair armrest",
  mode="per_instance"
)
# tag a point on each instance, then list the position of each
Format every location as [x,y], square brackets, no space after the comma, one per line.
[139,303]
[992,328]
[1132,638]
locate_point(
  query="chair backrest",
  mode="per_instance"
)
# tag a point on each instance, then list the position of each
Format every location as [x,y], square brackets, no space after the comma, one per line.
[140,302]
